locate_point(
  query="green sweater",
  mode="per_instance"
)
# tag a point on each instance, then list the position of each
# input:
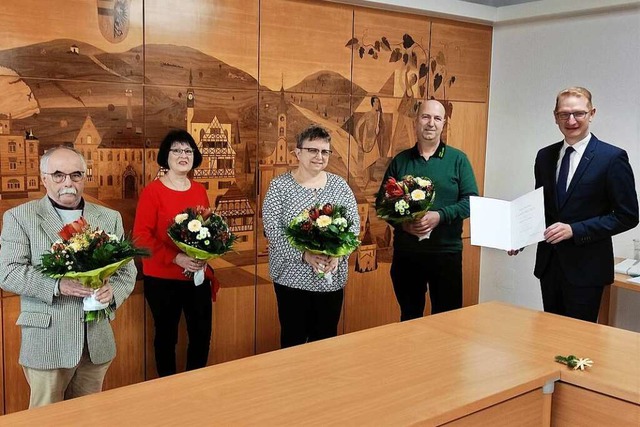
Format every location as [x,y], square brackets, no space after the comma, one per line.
[450,171]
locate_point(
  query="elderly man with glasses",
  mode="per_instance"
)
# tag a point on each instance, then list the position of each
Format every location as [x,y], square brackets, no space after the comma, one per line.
[62,357]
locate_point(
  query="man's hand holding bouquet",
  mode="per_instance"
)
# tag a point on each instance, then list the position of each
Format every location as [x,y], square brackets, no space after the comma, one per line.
[407,202]
[323,233]
[201,235]
[83,260]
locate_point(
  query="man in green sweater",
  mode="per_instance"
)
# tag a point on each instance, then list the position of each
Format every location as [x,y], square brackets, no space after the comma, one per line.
[434,263]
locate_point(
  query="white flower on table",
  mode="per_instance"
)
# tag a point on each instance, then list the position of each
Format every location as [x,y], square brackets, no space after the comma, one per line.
[582,363]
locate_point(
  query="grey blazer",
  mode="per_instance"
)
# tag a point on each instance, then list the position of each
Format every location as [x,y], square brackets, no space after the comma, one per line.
[52,327]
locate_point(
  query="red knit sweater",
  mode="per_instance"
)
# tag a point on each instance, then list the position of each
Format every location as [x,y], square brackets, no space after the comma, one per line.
[157,207]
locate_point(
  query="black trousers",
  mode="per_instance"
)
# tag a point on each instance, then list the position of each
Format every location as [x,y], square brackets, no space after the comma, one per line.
[307,316]
[559,296]
[414,273]
[167,299]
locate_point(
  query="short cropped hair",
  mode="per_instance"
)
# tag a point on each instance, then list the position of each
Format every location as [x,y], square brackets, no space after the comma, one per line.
[578,91]
[312,133]
[178,135]
[44,160]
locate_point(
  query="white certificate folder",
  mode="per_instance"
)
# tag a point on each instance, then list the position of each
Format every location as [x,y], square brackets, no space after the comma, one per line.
[508,225]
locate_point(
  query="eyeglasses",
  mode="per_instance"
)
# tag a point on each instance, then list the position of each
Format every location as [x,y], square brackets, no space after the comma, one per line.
[315,151]
[59,177]
[578,115]
[180,151]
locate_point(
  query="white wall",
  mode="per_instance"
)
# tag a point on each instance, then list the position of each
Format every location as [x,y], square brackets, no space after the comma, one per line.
[531,62]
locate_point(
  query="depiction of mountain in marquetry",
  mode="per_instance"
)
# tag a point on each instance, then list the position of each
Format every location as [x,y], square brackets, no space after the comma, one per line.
[71,59]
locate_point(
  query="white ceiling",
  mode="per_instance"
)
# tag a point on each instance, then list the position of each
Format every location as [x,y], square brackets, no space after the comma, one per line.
[497,12]
[499,3]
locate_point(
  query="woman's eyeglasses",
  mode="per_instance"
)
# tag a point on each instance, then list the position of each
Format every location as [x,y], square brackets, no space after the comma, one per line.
[180,151]
[315,151]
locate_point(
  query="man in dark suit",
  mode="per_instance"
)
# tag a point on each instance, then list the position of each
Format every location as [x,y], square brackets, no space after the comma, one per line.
[589,196]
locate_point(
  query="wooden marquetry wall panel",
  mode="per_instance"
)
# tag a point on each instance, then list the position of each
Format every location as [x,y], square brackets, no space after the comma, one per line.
[243,77]
[128,366]
[16,394]
[465,53]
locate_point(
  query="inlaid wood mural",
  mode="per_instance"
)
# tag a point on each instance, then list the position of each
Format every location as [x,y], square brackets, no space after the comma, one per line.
[112,77]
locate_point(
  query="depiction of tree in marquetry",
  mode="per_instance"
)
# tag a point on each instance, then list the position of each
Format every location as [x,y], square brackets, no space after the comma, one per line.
[421,72]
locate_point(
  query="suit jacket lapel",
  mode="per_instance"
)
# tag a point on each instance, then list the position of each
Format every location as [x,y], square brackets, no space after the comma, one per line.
[587,156]
[92,215]
[51,222]
[551,171]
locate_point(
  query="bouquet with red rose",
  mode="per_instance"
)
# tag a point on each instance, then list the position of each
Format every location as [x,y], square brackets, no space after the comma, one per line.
[201,234]
[323,230]
[406,200]
[88,256]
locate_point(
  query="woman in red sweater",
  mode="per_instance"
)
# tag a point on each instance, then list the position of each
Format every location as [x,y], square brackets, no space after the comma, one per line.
[167,290]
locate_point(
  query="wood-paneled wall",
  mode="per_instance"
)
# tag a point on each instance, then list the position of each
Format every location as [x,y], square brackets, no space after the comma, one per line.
[241,68]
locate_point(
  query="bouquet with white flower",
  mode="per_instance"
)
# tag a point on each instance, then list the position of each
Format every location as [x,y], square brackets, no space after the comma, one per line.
[201,234]
[406,200]
[88,256]
[323,230]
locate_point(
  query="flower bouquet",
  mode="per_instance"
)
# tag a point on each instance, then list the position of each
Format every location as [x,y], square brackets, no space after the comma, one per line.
[201,234]
[323,231]
[406,200]
[88,256]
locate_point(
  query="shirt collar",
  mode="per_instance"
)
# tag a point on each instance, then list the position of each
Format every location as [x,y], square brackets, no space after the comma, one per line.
[579,146]
[64,208]
[439,153]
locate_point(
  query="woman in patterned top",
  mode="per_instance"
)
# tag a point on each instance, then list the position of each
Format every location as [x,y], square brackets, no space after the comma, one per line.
[308,306]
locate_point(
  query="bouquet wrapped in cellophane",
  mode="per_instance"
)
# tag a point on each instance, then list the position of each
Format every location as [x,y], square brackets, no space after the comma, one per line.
[89,256]
[323,230]
[406,200]
[201,234]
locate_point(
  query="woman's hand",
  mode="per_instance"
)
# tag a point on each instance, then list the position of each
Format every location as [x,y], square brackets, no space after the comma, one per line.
[188,263]
[321,263]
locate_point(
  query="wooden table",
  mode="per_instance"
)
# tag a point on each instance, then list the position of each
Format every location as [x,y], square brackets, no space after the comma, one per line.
[620,282]
[482,365]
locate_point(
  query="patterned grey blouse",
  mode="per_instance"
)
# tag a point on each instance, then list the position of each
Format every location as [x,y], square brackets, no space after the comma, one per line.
[285,199]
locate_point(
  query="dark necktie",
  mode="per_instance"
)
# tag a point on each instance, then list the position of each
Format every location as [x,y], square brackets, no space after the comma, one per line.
[561,186]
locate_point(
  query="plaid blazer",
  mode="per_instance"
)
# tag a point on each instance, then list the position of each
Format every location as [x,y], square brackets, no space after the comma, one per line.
[53,332]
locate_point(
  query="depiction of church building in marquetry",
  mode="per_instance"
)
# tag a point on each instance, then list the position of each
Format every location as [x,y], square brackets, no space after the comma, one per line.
[115,160]
[211,131]
[273,162]
[87,142]
[19,168]
[234,206]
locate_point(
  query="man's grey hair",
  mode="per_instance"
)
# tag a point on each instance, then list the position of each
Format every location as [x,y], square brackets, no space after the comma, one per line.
[44,160]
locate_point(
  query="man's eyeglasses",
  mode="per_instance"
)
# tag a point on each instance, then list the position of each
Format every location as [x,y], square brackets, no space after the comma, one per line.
[315,151]
[578,115]
[180,151]
[59,177]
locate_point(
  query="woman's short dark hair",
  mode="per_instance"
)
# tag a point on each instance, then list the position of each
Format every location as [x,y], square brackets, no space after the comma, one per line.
[312,133]
[178,135]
